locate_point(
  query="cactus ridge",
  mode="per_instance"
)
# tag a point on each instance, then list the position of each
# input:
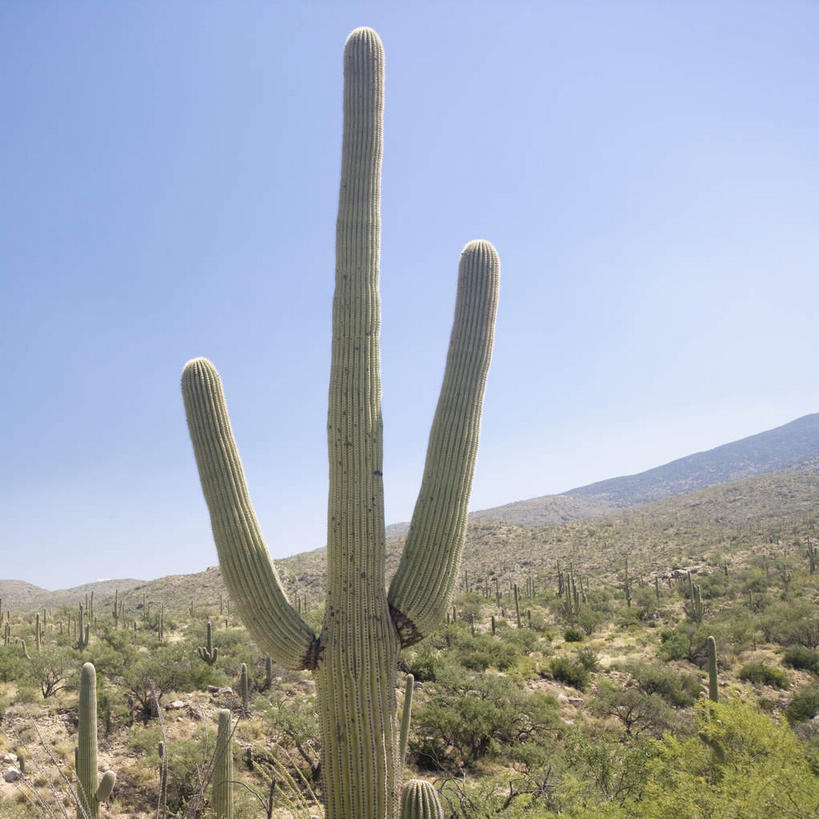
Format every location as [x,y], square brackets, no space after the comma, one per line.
[354,658]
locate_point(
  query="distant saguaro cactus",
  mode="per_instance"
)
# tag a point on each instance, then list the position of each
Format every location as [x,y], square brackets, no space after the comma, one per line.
[222,797]
[354,658]
[207,652]
[90,794]
[244,687]
[713,687]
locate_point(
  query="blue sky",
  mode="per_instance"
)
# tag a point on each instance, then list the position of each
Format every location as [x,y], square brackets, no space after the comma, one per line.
[648,172]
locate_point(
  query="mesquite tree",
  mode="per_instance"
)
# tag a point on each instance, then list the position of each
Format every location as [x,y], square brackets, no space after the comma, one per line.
[354,657]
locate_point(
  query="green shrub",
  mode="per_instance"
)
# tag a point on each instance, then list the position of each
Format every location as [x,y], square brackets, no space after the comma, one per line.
[804,705]
[801,657]
[759,673]
[571,672]
[679,690]
[573,635]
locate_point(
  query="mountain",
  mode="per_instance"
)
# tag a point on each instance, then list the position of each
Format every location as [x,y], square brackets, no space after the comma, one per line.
[16,594]
[791,447]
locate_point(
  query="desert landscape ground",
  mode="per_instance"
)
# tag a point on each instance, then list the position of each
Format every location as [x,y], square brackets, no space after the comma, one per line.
[570,678]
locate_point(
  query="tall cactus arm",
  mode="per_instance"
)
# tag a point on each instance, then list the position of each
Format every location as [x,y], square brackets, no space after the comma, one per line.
[250,575]
[422,586]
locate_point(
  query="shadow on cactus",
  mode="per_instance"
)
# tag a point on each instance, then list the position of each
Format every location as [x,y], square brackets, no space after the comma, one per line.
[354,656]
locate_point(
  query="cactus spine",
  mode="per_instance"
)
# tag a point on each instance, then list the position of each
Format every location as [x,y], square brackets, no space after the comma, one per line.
[222,797]
[713,689]
[419,800]
[90,794]
[354,658]
[207,652]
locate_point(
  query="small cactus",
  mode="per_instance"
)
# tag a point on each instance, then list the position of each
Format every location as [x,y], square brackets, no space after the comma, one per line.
[713,690]
[82,631]
[162,801]
[89,793]
[405,718]
[207,652]
[222,798]
[244,687]
[419,800]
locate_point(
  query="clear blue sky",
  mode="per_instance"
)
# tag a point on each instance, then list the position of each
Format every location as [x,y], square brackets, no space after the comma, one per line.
[649,173]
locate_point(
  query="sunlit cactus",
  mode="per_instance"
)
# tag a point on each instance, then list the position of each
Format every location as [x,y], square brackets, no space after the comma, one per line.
[207,652]
[419,800]
[90,793]
[222,793]
[354,658]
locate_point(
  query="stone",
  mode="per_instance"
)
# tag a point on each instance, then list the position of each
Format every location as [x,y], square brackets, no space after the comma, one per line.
[12,774]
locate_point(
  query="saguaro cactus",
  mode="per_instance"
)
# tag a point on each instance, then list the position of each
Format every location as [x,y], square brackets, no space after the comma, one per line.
[713,688]
[207,652]
[419,800]
[244,687]
[222,797]
[354,658]
[90,794]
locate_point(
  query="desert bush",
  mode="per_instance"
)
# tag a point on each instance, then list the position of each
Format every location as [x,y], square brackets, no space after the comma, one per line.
[760,673]
[570,671]
[756,768]
[804,658]
[804,705]
[677,689]
[469,717]
[573,634]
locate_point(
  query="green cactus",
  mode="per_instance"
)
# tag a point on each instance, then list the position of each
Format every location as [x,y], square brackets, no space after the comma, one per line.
[355,656]
[713,689]
[90,794]
[405,717]
[162,800]
[207,652]
[38,634]
[222,796]
[419,800]
[517,605]
[696,609]
[82,631]
[244,687]
[268,674]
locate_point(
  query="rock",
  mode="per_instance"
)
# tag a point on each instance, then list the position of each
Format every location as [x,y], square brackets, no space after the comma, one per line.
[307,685]
[227,690]
[12,774]
[575,700]
[175,705]
[9,757]
[213,689]
[561,697]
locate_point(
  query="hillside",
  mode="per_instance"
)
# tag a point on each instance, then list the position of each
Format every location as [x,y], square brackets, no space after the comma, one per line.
[792,446]
[725,522]
[19,595]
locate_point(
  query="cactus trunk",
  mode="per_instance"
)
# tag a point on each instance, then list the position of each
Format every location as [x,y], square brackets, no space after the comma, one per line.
[89,792]
[223,768]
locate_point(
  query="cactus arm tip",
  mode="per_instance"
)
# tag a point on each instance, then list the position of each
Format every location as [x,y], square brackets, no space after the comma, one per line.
[422,585]
[109,779]
[247,569]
